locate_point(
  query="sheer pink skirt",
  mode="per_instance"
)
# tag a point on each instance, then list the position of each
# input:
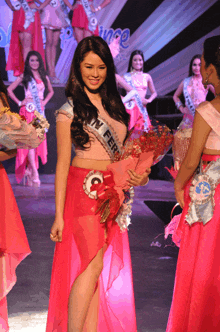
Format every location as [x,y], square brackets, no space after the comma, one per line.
[83,237]
[196,297]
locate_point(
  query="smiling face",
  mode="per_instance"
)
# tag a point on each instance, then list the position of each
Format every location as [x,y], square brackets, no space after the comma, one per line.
[34,62]
[196,65]
[93,71]
[137,62]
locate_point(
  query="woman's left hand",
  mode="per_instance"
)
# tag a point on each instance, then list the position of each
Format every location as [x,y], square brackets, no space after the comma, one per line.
[138,179]
[145,101]
[179,193]
[43,103]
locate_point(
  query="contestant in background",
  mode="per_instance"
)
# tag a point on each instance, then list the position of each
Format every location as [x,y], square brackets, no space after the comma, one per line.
[26,34]
[196,297]
[35,81]
[54,17]
[91,285]
[13,241]
[84,19]
[194,93]
[140,81]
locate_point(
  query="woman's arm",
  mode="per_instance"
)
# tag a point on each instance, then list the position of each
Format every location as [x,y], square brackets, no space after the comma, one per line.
[5,155]
[44,4]
[8,2]
[121,81]
[103,5]
[12,87]
[67,3]
[63,163]
[177,100]
[199,137]
[50,92]
[152,91]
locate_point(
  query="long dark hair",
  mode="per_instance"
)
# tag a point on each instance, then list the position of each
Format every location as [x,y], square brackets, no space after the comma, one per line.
[3,92]
[135,52]
[84,110]
[212,52]
[197,56]
[27,75]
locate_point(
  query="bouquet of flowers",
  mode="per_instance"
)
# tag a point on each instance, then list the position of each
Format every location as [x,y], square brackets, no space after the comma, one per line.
[141,150]
[15,132]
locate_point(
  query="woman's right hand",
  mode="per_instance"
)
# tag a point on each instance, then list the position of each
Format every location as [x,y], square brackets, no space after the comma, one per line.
[24,102]
[57,230]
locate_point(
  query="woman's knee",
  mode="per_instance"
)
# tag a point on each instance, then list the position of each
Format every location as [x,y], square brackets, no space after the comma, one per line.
[96,265]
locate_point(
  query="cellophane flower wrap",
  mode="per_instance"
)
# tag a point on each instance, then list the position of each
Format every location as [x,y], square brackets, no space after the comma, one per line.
[141,150]
[15,132]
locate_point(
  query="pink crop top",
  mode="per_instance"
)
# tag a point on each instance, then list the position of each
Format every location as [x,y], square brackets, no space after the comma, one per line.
[96,150]
[212,117]
[40,89]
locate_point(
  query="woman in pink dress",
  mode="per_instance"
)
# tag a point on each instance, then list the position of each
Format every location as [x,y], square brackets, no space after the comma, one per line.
[13,240]
[196,297]
[33,78]
[194,94]
[91,284]
[81,25]
[54,17]
[26,35]
[140,81]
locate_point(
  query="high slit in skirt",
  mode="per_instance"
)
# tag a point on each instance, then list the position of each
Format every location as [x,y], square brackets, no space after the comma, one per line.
[83,237]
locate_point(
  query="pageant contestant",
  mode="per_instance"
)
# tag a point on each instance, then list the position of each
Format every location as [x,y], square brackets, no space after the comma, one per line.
[196,297]
[91,286]
[194,93]
[140,81]
[84,19]
[13,241]
[26,33]
[54,17]
[35,81]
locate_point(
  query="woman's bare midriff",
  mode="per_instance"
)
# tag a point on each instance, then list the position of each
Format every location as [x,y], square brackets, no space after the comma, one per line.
[99,165]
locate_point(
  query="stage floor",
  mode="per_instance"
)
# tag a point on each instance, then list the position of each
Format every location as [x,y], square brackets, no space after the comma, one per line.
[153,262]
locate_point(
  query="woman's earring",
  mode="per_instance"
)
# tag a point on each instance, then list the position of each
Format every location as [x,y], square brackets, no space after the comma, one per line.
[206,82]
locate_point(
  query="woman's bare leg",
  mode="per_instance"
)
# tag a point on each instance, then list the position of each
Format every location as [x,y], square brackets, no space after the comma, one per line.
[55,39]
[48,50]
[92,315]
[32,165]
[79,34]
[82,293]
[26,40]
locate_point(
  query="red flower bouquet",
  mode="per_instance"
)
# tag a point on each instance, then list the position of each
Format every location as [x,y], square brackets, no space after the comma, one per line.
[141,150]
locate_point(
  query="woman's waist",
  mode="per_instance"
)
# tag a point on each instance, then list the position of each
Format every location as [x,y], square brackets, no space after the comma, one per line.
[90,164]
[31,100]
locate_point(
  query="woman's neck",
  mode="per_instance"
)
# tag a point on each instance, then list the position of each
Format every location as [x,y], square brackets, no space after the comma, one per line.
[95,96]
[134,71]
[197,76]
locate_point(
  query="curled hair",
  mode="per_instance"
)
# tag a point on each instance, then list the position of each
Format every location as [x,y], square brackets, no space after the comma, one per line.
[197,56]
[27,75]
[3,92]
[212,53]
[84,110]
[135,52]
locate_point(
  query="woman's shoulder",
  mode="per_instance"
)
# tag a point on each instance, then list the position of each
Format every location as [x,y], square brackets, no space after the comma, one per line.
[66,110]
[210,111]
